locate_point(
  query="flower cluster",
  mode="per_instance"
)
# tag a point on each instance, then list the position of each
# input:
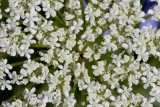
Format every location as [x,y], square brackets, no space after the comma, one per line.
[78,53]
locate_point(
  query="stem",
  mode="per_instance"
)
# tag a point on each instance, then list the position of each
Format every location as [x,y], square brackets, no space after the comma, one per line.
[83,98]
[74,88]
[147,17]
[5,15]
[60,15]
[65,5]
[43,18]
[3,55]
[83,15]
[19,93]
[38,46]
[59,20]
[22,62]
[56,18]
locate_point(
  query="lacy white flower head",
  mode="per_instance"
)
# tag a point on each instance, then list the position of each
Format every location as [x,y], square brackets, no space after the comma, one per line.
[79,53]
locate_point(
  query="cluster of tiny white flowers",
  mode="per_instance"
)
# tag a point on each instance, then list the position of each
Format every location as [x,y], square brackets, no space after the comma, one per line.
[93,55]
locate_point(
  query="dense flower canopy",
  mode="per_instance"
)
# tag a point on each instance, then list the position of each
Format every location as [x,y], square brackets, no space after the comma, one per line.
[78,53]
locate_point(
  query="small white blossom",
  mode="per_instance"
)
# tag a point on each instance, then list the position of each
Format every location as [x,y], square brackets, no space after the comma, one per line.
[77,26]
[5,84]
[99,69]
[4,66]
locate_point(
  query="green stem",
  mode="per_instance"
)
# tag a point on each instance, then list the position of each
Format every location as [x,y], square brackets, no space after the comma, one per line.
[83,15]
[22,62]
[73,90]
[83,98]
[38,46]
[88,66]
[5,15]
[147,17]
[59,20]
[3,55]
[65,7]
[43,18]
[60,15]
[29,86]
[56,18]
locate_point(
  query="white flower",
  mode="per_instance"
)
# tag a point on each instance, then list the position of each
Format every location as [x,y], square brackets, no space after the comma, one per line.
[112,98]
[31,17]
[99,30]
[14,77]
[64,68]
[69,16]
[155,13]
[58,5]
[90,14]
[50,11]
[47,26]
[28,39]
[77,26]
[70,43]
[147,103]
[106,104]
[142,54]
[99,69]
[89,52]
[155,93]
[124,45]
[82,85]
[134,79]
[62,54]
[105,4]
[106,77]
[94,1]
[30,97]
[125,92]
[25,51]
[89,35]
[29,67]
[113,12]
[12,24]
[5,84]
[4,66]
[107,93]
[149,80]
[80,43]
[35,4]
[150,11]
[117,60]
[52,42]
[47,57]
[74,4]
[70,101]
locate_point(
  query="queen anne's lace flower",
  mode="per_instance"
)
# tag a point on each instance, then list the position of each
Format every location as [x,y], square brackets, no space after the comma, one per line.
[77,26]
[75,53]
